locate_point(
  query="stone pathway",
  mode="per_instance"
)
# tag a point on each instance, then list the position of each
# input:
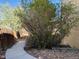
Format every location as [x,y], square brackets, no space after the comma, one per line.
[17,52]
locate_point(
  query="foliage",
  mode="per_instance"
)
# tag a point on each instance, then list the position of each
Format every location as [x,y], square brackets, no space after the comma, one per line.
[69,17]
[46,30]
[8,18]
[36,18]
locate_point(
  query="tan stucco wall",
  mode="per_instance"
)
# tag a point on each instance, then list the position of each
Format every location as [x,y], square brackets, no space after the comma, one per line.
[73,38]
[74,1]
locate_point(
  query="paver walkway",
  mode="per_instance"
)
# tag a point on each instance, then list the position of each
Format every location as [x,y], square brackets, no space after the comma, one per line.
[17,52]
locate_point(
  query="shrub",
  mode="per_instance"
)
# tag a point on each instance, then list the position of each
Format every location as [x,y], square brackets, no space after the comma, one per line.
[46,30]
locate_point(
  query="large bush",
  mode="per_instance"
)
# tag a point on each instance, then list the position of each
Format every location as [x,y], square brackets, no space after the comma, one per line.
[46,30]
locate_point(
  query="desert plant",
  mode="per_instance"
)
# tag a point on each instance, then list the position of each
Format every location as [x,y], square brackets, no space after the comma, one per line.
[36,18]
[46,30]
[8,18]
[69,18]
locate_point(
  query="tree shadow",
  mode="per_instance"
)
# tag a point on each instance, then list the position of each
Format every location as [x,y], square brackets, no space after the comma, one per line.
[6,40]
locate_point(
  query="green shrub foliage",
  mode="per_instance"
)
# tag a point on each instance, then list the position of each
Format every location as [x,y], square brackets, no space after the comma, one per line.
[46,30]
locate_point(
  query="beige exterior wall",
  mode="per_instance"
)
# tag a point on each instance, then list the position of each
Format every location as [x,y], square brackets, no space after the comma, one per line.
[74,1]
[65,1]
[73,38]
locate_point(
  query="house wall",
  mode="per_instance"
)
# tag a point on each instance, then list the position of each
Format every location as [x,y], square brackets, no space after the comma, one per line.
[73,1]
[73,38]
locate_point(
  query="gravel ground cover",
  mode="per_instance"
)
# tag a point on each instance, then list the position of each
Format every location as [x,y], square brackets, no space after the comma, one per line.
[2,54]
[55,53]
